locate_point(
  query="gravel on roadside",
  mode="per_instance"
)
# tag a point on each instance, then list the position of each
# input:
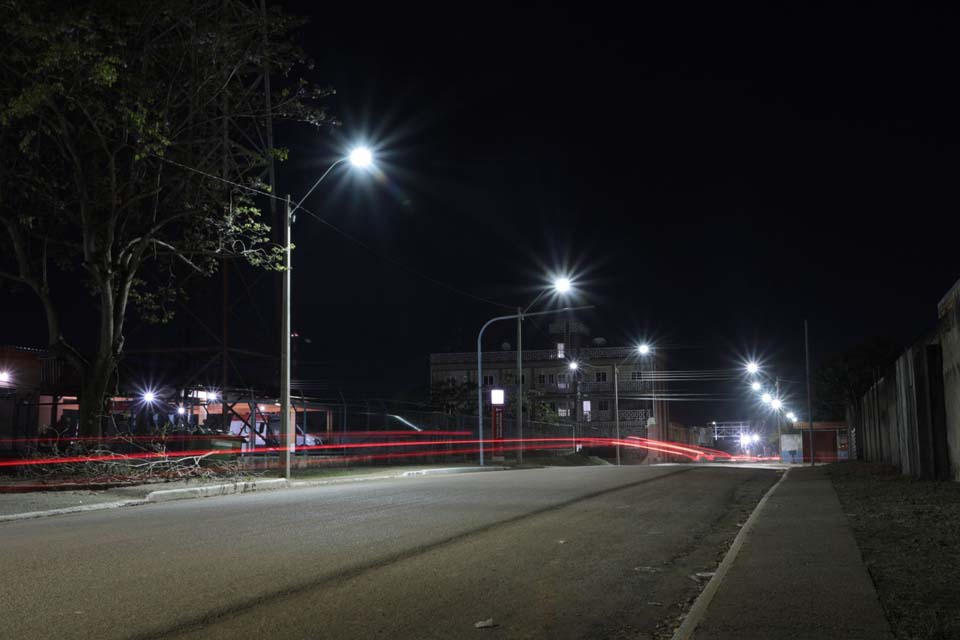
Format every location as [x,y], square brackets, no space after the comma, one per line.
[909,535]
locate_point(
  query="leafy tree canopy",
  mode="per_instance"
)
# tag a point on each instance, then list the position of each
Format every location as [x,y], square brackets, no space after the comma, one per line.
[122,127]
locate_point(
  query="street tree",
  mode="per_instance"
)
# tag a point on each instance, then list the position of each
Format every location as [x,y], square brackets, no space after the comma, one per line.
[130,137]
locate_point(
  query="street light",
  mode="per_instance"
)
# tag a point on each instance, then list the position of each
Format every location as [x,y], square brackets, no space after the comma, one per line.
[643,350]
[360,157]
[516,316]
[149,397]
[752,368]
[755,386]
[562,286]
[776,403]
[792,417]
[4,376]
[766,398]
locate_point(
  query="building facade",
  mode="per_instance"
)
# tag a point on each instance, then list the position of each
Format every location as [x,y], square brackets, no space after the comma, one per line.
[585,396]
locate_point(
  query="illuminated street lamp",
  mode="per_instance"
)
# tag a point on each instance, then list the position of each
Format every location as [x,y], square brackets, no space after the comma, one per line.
[362,158]
[766,398]
[561,285]
[149,397]
[574,366]
[792,417]
[752,368]
[4,376]
[776,403]
[755,386]
[643,349]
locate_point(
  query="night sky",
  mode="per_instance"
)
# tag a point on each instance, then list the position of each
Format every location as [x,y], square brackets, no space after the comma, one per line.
[708,176]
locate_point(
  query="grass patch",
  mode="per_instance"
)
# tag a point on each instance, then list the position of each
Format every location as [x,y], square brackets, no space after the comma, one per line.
[909,534]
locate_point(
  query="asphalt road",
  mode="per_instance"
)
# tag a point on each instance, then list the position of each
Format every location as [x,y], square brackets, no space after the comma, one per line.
[586,552]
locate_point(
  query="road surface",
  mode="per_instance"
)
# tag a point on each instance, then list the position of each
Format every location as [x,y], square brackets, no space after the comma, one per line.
[584,552]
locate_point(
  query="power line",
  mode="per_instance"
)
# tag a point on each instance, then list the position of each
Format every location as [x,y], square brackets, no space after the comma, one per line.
[343,233]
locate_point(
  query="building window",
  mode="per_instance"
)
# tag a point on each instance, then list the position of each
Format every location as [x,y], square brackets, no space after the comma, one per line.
[488,381]
[561,378]
[636,375]
[523,378]
[601,376]
[603,405]
[563,412]
[542,379]
[552,379]
[452,380]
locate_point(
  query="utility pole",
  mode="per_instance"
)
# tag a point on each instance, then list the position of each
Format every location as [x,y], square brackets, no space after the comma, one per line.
[806,342]
[286,432]
[779,419]
[616,405]
[520,384]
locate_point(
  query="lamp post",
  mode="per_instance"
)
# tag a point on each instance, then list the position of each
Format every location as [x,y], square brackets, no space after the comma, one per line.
[480,359]
[360,157]
[561,286]
[642,350]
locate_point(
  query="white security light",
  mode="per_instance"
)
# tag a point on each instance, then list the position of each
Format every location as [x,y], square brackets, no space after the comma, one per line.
[496,397]
[752,367]
[767,398]
[755,386]
[776,403]
[644,349]
[574,366]
[149,396]
[562,285]
[361,157]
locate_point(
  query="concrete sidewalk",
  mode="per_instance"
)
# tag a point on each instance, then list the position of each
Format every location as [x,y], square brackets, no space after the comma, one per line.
[798,573]
[38,504]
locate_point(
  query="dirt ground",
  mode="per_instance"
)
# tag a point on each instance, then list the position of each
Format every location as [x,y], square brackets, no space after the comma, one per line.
[909,534]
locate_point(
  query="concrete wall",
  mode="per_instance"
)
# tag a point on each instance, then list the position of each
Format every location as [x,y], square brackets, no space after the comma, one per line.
[949,338]
[900,419]
[910,417]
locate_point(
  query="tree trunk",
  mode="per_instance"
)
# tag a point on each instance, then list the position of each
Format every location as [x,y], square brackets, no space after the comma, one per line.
[94,397]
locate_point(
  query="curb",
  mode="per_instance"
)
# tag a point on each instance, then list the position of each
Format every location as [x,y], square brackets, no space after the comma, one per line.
[206,491]
[699,608]
[167,495]
[79,509]
[448,470]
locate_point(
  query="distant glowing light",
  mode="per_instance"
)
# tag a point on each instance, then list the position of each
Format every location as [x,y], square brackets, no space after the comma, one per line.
[752,367]
[562,285]
[643,349]
[261,407]
[744,440]
[574,366]
[767,398]
[496,396]
[149,396]
[181,410]
[361,157]
[755,437]
[4,376]
[776,403]
[755,386]
[792,416]
[211,395]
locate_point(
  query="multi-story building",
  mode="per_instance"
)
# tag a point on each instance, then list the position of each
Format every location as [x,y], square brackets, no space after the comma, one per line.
[584,396]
